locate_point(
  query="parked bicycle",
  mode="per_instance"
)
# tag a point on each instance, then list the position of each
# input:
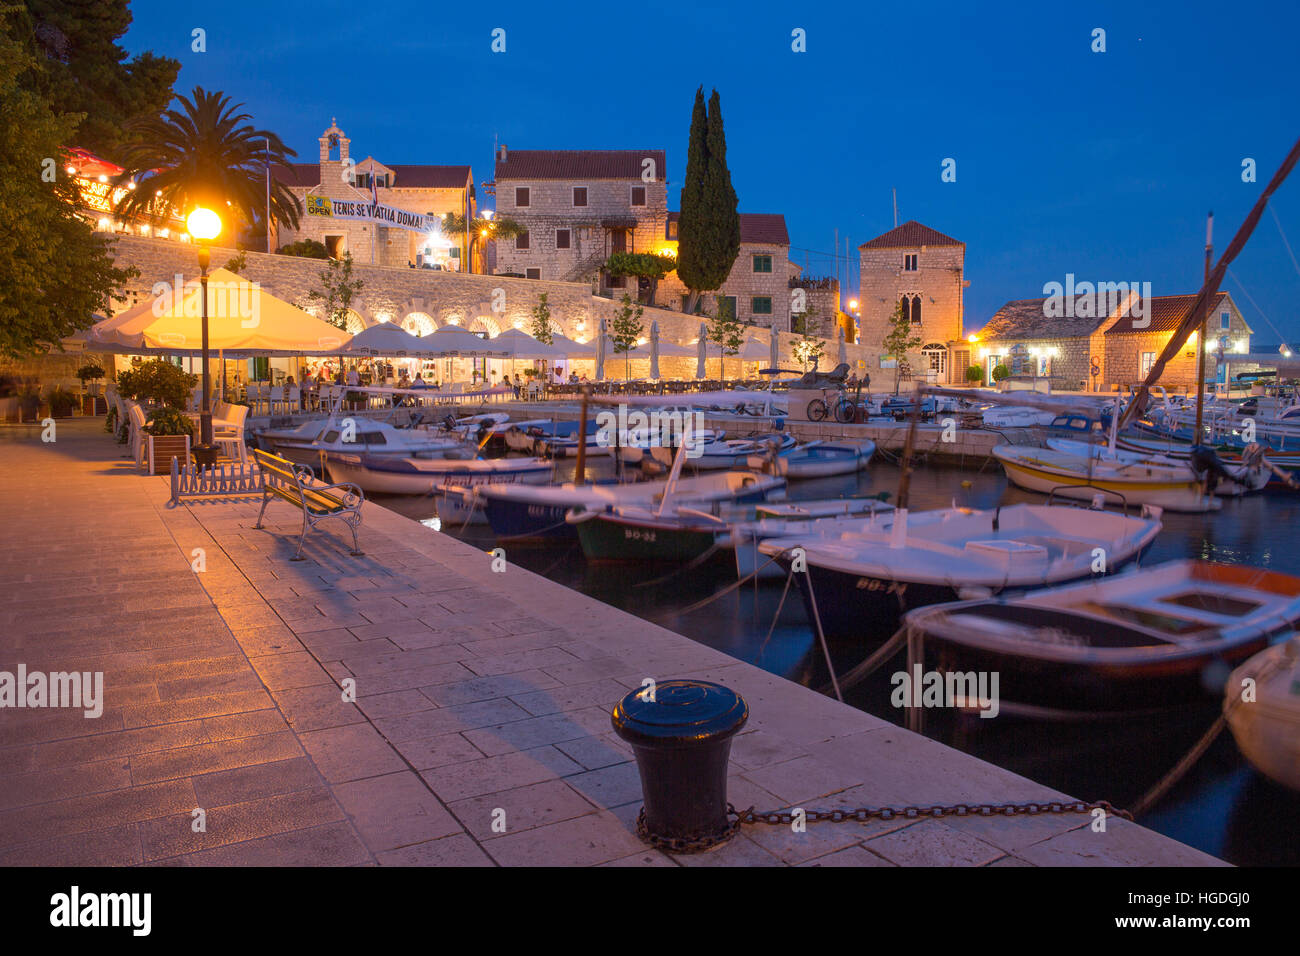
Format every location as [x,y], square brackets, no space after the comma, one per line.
[833,402]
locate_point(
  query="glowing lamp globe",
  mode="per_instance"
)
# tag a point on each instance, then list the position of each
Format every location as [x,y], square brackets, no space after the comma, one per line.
[203,224]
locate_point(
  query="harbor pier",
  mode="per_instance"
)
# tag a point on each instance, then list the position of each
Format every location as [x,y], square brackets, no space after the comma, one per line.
[412,706]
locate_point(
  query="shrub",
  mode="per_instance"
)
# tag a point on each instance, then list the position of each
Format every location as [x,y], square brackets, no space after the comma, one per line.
[975,374]
[90,372]
[1000,372]
[304,248]
[159,382]
[62,402]
[169,421]
[8,386]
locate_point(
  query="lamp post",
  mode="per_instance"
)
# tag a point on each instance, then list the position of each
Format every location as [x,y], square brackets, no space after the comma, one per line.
[204,225]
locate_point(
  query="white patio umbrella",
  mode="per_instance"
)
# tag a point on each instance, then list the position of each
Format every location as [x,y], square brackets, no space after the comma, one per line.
[451,340]
[242,319]
[753,350]
[600,352]
[521,345]
[843,351]
[385,339]
[774,354]
[571,348]
[702,345]
[654,350]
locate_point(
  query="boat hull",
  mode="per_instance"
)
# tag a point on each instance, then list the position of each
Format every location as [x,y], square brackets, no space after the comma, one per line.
[403,477]
[611,538]
[1173,495]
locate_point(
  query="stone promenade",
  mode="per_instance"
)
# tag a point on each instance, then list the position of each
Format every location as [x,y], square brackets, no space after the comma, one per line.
[226,738]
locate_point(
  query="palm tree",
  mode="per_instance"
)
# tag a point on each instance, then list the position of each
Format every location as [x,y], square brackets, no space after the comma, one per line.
[205,154]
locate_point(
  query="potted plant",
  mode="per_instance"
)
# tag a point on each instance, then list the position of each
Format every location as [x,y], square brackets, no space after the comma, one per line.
[975,375]
[62,402]
[1000,372]
[91,402]
[169,431]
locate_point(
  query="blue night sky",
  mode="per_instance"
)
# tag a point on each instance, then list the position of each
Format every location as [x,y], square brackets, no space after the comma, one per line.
[1100,164]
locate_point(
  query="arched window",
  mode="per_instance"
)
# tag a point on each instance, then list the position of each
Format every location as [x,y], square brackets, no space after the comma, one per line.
[916,310]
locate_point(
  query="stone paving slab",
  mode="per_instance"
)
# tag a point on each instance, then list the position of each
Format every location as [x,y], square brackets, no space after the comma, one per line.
[407,708]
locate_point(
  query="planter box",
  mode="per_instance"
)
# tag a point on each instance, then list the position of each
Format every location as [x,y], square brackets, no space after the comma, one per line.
[9,409]
[162,449]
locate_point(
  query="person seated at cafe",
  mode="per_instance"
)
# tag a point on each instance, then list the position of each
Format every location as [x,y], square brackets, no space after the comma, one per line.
[573,378]
[419,381]
[352,378]
[289,381]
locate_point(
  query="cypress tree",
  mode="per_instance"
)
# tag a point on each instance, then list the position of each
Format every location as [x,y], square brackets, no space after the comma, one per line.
[689,222]
[708,230]
[720,202]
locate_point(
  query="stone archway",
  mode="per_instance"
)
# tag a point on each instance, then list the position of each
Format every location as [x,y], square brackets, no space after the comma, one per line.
[484,323]
[355,322]
[419,323]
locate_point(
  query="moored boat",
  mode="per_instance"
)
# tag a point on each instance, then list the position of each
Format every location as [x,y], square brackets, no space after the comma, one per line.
[422,476]
[861,581]
[1081,477]
[1264,716]
[1143,639]
[816,459]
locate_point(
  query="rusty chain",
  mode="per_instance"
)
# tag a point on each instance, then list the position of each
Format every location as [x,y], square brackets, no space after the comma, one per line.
[863,815]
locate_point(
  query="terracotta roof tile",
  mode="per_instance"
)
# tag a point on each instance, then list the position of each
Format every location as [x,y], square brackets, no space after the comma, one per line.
[909,235]
[578,163]
[1167,313]
[760,228]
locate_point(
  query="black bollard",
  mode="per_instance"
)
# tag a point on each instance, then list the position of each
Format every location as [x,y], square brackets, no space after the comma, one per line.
[682,740]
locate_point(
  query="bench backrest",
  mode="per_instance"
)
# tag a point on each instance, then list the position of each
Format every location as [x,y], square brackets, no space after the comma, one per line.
[286,478]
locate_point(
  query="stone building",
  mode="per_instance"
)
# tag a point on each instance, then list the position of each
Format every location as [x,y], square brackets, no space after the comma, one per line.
[923,269]
[758,286]
[428,191]
[579,206]
[1081,350]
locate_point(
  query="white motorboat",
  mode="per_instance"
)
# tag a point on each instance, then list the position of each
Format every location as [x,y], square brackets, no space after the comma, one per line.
[865,577]
[310,442]
[786,518]
[423,476]
[1244,478]
[816,459]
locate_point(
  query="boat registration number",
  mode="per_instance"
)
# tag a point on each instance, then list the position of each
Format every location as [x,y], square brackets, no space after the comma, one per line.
[875,584]
[636,534]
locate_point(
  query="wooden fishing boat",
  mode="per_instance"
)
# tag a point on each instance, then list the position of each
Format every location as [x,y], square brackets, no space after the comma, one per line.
[816,459]
[1267,728]
[863,579]
[1245,478]
[1082,477]
[675,530]
[784,519]
[1143,639]
[519,512]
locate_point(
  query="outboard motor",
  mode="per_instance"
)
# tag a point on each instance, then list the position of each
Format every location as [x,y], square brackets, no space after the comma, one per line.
[1208,467]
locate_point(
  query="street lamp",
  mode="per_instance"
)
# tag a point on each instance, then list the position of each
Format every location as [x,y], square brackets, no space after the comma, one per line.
[204,225]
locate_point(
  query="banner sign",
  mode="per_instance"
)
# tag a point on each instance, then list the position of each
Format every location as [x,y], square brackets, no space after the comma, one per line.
[371,212]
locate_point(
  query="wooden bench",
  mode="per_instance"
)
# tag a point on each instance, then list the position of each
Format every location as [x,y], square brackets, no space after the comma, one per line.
[297,485]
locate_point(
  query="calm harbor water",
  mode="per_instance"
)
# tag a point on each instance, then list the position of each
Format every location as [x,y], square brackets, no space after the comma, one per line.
[1221,806]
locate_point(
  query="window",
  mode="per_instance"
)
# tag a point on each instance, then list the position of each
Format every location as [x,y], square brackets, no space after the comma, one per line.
[616,282]
[580,195]
[638,195]
[1146,360]
[521,241]
[762,263]
[727,303]
[672,229]
[532,273]
[562,238]
[909,263]
[761,305]
[1225,320]
[912,308]
[618,240]
[521,197]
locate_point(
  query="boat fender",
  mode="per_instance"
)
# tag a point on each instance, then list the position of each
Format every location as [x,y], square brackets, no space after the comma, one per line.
[973,593]
[1153,512]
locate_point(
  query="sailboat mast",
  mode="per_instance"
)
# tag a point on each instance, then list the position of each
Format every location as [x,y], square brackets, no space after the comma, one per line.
[1200,339]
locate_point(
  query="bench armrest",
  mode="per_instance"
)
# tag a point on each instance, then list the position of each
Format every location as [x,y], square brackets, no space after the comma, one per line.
[352,491]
